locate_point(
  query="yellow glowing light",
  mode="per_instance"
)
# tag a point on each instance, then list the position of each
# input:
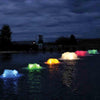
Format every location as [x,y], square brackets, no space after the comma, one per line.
[52,61]
[69,56]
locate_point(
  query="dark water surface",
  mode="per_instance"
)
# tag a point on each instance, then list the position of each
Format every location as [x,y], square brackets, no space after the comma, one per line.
[71,80]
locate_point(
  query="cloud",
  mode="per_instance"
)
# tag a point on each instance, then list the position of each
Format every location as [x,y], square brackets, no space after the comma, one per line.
[51,18]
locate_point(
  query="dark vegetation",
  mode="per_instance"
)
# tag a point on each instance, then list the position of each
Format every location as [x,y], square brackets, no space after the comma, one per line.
[66,41]
[5,38]
[7,45]
[62,43]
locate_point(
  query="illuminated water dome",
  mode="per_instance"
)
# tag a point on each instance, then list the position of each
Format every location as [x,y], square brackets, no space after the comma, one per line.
[52,61]
[82,53]
[94,51]
[34,66]
[69,56]
[10,73]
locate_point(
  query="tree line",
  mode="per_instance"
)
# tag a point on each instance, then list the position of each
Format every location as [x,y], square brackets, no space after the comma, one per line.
[66,41]
[5,37]
[6,44]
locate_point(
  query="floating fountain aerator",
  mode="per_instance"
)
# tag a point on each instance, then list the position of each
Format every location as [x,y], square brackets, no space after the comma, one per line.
[93,51]
[9,73]
[34,66]
[52,61]
[69,56]
[82,53]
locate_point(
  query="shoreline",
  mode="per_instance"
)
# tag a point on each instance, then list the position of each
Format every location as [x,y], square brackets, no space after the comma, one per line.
[16,52]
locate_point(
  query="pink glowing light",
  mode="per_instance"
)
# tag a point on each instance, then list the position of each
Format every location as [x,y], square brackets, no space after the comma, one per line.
[82,53]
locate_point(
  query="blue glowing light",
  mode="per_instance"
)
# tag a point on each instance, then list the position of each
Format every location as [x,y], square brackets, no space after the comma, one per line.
[10,74]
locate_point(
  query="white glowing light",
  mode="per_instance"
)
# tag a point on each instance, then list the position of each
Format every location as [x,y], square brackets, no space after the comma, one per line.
[69,56]
[15,72]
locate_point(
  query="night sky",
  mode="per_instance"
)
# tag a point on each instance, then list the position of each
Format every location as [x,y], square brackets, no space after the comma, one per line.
[51,18]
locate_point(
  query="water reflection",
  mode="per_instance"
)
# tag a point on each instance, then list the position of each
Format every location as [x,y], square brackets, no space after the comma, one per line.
[34,82]
[34,85]
[53,68]
[70,62]
[69,73]
[10,86]
[29,87]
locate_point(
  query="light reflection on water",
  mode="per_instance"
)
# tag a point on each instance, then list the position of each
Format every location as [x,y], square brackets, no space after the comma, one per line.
[69,72]
[57,82]
[10,86]
[53,68]
[34,82]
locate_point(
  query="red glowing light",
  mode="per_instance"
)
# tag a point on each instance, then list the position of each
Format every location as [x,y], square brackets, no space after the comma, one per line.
[82,53]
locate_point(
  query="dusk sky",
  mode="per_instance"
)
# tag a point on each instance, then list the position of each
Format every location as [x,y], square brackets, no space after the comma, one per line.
[51,18]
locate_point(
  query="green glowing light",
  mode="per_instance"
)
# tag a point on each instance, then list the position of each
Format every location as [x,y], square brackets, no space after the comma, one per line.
[92,51]
[34,66]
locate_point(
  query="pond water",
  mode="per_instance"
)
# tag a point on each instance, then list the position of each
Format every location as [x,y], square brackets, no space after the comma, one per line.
[71,80]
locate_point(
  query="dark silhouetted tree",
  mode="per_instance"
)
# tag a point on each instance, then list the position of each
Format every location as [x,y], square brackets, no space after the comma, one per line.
[73,40]
[62,41]
[0,38]
[40,39]
[5,36]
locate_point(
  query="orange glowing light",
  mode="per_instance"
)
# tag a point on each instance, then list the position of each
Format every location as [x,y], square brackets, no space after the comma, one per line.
[52,61]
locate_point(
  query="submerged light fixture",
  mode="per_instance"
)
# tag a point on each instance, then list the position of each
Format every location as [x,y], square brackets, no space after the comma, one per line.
[52,61]
[82,53]
[94,51]
[69,56]
[34,66]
